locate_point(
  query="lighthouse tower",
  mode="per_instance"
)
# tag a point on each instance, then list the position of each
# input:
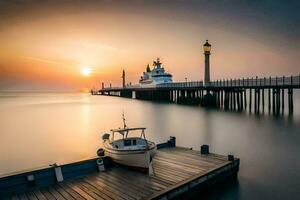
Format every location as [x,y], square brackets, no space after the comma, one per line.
[123,78]
[206,49]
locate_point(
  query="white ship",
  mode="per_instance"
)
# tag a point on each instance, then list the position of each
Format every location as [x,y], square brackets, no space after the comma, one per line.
[155,76]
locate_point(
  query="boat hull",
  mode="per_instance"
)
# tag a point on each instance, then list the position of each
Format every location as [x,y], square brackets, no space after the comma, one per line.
[139,160]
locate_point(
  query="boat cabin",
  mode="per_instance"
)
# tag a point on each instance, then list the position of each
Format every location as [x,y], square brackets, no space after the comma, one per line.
[127,143]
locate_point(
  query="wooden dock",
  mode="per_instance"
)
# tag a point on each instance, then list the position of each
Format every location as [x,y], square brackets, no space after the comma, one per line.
[177,171]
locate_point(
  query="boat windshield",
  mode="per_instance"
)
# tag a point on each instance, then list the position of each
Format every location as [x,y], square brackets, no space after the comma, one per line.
[125,131]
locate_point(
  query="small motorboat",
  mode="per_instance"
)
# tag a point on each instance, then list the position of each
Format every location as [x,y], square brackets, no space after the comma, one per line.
[134,152]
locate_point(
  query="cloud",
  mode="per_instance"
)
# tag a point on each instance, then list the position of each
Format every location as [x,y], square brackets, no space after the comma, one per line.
[41,60]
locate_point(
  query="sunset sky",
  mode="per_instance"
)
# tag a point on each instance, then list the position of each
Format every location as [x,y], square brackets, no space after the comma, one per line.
[47,45]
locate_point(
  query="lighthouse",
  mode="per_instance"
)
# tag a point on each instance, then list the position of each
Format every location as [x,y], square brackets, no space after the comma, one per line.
[123,78]
[206,49]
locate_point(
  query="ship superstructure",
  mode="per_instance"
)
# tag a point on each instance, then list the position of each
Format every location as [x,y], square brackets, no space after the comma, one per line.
[155,76]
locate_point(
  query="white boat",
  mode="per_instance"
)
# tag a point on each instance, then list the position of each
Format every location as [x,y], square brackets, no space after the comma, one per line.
[134,152]
[155,76]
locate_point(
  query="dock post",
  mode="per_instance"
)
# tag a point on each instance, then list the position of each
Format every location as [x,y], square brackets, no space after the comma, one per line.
[263,100]
[240,107]
[172,141]
[282,101]
[222,98]
[189,96]
[226,100]
[204,149]
[245,99]
[219,98]
[255,100]
[258,101]
[100,165]
[58,173]
[278,101]
[234,100]
[231,101]
[290,98]
[250,100]
[230,157]
[242,99]
[273,100]
[238,102]
[292,101]
[269,100]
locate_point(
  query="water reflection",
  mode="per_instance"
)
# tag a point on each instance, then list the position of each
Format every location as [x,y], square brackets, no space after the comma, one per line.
[40,129]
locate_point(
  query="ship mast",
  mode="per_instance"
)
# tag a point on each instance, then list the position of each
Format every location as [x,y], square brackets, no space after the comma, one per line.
[157,63]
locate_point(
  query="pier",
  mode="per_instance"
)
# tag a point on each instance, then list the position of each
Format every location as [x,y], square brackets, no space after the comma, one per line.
[256,95]
[177,171]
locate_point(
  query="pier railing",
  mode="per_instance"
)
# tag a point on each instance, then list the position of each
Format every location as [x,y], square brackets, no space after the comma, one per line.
[181,84]
[291,81]
[257,82]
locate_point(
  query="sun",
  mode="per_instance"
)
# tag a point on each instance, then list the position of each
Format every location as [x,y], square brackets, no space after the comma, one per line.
[86,71]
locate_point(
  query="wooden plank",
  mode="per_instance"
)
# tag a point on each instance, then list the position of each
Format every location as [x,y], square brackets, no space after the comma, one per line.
[102,190]
[64,193]
[98,192]
[56,194]
[149,180]
[182,162]
[159,164]
[5,197]
[15,197]
[170,173]
[22,196]
[168,176]
[70,191]
[183,165]
[173,173]
[129,183]
[47,194]
[126,189]
[80,191]
[173,167]
[203,160]
[30,195]
[115,188]
[39,195]
[110,191]
[188,152]
[165,178]
[137,182]
[88,191]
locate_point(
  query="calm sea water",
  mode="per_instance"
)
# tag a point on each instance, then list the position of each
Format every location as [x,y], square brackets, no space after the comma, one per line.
[38,129]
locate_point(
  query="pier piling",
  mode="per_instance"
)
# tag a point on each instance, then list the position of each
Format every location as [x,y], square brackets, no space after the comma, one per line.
[226,94]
